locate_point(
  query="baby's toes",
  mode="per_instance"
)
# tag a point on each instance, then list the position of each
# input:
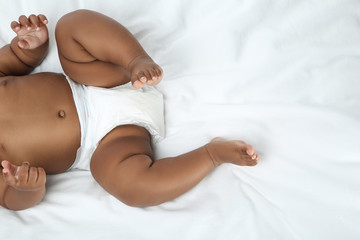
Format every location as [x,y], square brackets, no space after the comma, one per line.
[159,71]
[147,75]
[251,162]
[142,77]
[154,75]
[250,150]
[137,84]
[218,139]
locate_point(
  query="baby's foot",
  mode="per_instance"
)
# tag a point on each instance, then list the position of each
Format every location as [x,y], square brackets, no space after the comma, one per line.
[236,152]
[144,71]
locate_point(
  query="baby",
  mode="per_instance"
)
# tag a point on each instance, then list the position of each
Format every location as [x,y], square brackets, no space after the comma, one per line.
[102,116]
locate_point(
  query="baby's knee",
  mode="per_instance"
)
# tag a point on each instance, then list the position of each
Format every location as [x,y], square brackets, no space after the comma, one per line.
[72,20]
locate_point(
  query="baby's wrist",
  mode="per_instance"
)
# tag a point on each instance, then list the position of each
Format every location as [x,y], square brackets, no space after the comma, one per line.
[26,189]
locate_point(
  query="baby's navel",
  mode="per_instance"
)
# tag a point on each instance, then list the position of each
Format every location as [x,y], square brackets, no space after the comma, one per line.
[61,114]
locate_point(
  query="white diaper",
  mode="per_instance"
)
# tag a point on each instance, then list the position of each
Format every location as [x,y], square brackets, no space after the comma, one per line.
[100,110]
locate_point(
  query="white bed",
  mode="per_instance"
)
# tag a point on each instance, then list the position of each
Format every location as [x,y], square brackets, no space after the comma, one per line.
[281,75]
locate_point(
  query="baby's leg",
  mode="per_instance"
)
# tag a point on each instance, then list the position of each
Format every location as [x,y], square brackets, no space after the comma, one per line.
[96,50]
[123,166]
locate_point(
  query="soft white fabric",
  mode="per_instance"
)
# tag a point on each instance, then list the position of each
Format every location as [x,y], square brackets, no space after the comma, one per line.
[281,75]
[100,110]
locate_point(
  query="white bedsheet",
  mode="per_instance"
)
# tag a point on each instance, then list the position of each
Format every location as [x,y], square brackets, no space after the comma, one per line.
[281,75]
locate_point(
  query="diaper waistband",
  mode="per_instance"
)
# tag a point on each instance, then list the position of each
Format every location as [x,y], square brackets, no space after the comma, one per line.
[80,99]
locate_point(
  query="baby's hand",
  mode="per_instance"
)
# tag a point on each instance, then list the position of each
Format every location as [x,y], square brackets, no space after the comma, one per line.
[24,177]
[31,31]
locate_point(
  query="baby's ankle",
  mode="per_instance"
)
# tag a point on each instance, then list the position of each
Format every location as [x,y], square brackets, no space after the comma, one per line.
[212,154]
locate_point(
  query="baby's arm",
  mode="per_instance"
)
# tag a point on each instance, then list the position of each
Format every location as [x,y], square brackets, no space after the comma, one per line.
[21,187]
[28,49]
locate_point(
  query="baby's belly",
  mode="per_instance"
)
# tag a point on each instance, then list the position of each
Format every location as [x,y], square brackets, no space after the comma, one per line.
[38,122]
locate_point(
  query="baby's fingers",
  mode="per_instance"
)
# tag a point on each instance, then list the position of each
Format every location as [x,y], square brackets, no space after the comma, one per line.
[34,21]
[37,176]
[23,44]
[24,21]
[41,176]
[9,178]
[15,26]
[33,175]
[43,19]
[23,173]
[9,168]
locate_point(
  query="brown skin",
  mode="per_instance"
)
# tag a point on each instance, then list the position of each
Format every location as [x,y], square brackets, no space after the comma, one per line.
[40,130]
